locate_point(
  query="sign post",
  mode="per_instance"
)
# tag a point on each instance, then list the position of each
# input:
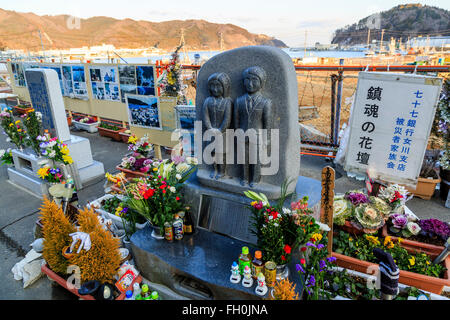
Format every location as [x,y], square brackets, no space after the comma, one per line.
[327,203]
[390,124]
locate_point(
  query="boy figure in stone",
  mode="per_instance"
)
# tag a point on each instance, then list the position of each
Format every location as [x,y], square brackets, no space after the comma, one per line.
[216,115]
[252,111]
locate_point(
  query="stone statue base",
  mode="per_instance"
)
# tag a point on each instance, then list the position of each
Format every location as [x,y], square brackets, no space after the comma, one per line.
[227,213]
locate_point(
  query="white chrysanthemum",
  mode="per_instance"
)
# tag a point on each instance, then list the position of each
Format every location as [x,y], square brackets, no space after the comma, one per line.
[2,152]
[192,160]
[182,167]
[173,189]
[178,176]
[287,211]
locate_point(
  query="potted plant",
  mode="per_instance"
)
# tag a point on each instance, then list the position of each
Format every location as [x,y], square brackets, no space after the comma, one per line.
[125,135]
[22,109]
[428,177]
[138,162]
[416,269]
[6,157]
[88,124]
[281,230]
[110,131]
[426,235]
[157,197]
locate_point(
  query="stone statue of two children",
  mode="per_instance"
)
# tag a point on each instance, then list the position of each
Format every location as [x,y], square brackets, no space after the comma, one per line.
[251,111]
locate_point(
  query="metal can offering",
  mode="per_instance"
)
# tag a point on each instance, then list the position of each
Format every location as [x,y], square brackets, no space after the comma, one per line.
[270,272]
[177,228]
[168,232]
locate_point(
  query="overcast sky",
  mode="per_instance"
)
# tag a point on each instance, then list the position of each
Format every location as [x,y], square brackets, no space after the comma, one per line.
[286,20]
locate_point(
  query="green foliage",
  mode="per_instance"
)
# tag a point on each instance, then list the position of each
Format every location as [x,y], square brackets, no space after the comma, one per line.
[362,249]
[34,128]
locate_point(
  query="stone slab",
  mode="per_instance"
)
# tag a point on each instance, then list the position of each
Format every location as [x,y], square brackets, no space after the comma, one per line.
[80,151]
[91,173]
[46,97]
[276,102]
[226,213]
[27,163]
[33,185]
[203,259]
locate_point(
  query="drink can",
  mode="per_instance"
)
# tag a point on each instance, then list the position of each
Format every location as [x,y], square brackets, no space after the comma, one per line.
[168,231]
[178,229]
[270,272]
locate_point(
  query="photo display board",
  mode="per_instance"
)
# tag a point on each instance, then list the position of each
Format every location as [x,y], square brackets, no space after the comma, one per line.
[104,82]
[74,81]
[390,124]
[137,79]
[144,111]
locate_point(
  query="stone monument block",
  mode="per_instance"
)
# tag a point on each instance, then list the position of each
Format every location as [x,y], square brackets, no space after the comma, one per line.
[249,88]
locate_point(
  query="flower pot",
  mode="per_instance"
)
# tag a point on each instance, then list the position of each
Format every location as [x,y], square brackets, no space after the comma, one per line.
[420,281]
[425,188]
[130,174]
[124,136]
[157,233]
[412,245]
[116,220]
[110,133]
[89,127]
[282,272]
[21,111]
[350,228]
[64,283]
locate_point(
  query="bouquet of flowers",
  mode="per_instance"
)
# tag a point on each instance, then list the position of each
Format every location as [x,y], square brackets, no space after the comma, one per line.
[280,230]
[54,149]
[395,195]
[6,156]
[32,121]
[13,129]
[443,127]
[157,197]
[52,175]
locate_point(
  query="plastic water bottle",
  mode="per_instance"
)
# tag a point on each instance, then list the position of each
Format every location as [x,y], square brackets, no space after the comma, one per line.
[136,290]
[155,295]
[129,295]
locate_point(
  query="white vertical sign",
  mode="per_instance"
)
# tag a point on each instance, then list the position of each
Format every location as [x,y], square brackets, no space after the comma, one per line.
[390,125]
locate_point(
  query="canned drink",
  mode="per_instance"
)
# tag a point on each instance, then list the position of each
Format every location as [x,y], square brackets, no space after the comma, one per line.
[178,229]
[168,231]
[270,272]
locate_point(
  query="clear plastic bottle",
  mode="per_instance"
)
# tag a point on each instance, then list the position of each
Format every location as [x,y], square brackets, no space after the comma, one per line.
[245,259]
[155,295]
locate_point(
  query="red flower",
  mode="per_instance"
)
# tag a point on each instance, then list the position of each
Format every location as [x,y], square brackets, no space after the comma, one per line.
[164,191]
[283,258]
[303,249]
[148,193]
[162,186]
[287,249]
[302,261]
[177,198]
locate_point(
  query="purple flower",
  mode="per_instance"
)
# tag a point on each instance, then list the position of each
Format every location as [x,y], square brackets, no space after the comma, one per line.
[320,246]
[356,198]
[331,259]
[399,221]
[311,281]
[322,264]
[433,227]
[309,244]
[299,268]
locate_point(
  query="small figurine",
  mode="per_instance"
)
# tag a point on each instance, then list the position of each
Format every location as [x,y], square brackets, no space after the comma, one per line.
[235,276]
[261,288]
[248,280]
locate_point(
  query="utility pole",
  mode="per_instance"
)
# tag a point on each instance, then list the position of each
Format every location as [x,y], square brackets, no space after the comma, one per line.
[182,43]
[221,43]
[306,34]
[381,41]
[368,38]
[42,44]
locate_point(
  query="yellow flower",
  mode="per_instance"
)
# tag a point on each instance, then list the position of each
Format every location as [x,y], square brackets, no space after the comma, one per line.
[19,130]
[67,159]
[155,169]
[11,124]
[132,139]
[428,262]
[373,240]
[43,172]
[388,242]
[400,240]
[350,239]
[317,236]
[412,261]
[65,150]
[253,203]
[17,122]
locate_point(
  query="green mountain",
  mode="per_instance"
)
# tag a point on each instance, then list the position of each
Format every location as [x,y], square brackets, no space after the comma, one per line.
[403,21]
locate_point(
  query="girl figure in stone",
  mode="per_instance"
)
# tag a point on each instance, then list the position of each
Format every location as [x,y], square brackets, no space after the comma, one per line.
[216,115]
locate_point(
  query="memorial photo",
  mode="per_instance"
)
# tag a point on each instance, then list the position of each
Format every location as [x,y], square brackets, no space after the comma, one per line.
[144,112]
